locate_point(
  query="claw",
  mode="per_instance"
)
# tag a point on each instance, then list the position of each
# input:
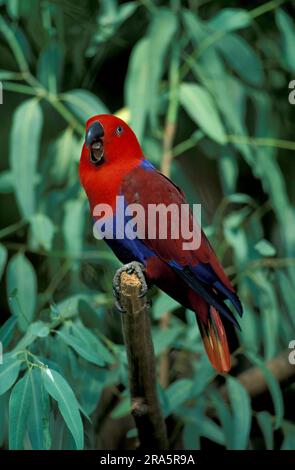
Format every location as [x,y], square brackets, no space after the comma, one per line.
[133,267]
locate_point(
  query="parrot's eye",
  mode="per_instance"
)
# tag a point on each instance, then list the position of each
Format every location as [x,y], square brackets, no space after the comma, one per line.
[96,153]
[119,130]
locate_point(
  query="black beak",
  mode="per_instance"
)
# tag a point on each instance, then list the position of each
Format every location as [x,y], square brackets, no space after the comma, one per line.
[94,133]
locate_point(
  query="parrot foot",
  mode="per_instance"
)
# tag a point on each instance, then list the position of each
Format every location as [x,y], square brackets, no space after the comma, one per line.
[130,268]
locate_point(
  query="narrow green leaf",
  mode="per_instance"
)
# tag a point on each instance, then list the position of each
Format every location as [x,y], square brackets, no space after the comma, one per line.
[165,338]
[39,329]
[228,169]
[270,312]
[163,304]
[273,385]
[224,416]
[63,151]
[42,231]
[161,32]
[50,66]
[207,428]
[264,420]
[289,436]
[230,19]
[92,342]
[241,409]
[7,331]
[19,406]
[242,58]
[3,418]
[137,86]
[73,225]
[196,29]
[6,182]
[287,30]
[3,258]
[81,348]
[179,392]
[24,151]
[9,371]
[201,108]
[84,104]
[38,420]
[60,390]
[191,436]
[265,248]
[21,289]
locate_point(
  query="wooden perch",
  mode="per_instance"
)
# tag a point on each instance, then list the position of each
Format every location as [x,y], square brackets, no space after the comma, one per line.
[254,380]
[145,406]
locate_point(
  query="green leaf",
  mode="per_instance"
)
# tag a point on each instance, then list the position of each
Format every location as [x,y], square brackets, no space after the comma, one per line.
[3,418]
[163,304]
[269,312]
[91,384]
[265,248]
[59,389]
[92,342]
[196,29]
[273,386]
[13,7]
[49,67]
[178,393]
[201,108]
[264,420]
[287,30]
[165,338]
[24,151]
[241,409]
[81,348]
[7,331]
[191,436]
[16,42]
[38,420]
[21,289]
[42,231]
[289,436]
[9,371]
[63,151]
[84,104]
[39,329]
[137,86]
[19,407]
[230,19]
[6,182]
[3,258]
[242,58]
[161,32]
[207,428]
[224,416]
[228,169]
[73,225]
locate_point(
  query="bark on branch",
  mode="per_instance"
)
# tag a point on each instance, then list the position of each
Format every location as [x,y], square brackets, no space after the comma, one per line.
[136,324]
[254,380]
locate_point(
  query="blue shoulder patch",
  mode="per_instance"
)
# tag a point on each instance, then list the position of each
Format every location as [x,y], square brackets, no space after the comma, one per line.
[147,165]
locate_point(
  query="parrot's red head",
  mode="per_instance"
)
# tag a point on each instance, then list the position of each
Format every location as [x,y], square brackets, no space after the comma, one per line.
[110,150]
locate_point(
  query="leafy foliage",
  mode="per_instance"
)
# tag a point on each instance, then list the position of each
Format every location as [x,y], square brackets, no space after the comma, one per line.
[219,78]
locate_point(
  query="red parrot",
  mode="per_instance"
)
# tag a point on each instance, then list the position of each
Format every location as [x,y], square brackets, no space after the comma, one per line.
[112,164]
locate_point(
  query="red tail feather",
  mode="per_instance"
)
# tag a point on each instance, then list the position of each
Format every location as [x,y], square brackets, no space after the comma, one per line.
[215,341]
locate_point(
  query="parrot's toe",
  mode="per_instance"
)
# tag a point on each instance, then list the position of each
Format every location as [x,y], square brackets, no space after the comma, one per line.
[130,268]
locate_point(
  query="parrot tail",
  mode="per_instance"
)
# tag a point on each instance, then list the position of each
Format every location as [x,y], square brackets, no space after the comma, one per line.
[215,341]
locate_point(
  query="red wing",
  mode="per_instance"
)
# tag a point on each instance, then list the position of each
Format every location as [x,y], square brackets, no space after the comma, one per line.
[148,186]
